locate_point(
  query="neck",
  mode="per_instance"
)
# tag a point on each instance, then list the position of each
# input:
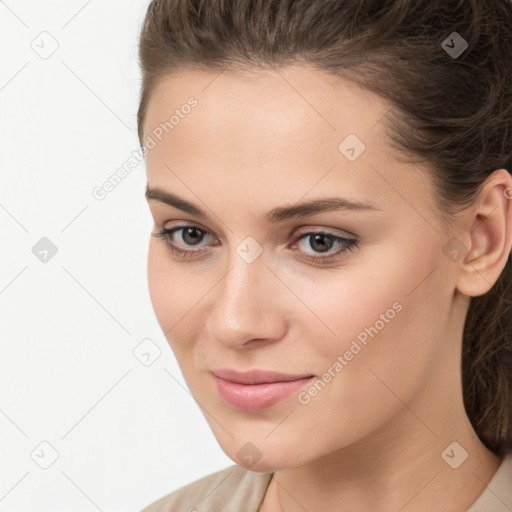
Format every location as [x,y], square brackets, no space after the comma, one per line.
[405,466]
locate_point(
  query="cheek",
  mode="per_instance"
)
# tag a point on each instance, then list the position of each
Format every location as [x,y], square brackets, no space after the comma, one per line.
[159,285]
[391,293]
[357,303]
[385,346]
[173,293]
[389,328]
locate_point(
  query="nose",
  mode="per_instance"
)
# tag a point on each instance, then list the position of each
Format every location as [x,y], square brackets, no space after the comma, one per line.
[247,305]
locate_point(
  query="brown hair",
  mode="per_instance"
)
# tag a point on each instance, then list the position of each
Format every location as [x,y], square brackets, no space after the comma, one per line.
[451,112]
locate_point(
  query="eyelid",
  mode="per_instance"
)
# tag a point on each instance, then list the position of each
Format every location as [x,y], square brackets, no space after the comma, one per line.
[332,231]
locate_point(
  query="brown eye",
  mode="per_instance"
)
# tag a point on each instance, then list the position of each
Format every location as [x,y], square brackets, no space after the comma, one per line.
[318,242]
[192,235]
[321,242]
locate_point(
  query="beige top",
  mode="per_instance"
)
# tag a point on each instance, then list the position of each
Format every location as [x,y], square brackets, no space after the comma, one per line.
[236,489]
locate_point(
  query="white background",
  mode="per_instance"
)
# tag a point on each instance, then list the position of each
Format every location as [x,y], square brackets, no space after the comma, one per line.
[125,433]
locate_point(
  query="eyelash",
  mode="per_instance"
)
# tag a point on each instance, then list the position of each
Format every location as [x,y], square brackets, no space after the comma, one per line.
[349,244]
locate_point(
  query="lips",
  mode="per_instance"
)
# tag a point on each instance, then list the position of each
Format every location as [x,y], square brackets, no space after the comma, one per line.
[256,390]
[257,376]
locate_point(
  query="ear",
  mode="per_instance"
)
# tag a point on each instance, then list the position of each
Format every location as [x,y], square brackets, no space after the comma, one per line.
[487,227]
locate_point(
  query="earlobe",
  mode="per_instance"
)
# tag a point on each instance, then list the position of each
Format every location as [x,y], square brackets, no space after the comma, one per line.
[489,230]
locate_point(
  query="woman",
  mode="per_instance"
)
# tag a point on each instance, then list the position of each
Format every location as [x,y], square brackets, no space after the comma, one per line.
[330,184]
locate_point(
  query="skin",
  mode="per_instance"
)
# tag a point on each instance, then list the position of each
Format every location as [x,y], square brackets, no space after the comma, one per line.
[372,438]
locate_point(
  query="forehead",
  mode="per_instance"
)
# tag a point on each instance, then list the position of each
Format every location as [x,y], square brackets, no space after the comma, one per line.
[262,116]
[271,99]
[275,133]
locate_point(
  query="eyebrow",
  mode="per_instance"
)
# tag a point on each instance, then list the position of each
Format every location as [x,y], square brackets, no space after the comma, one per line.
[275,215]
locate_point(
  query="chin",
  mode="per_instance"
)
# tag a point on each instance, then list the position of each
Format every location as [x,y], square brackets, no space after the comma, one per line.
[264,459]
[265,465]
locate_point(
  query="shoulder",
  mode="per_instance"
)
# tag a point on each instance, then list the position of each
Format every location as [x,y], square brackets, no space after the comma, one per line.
[497,496]
[232,486]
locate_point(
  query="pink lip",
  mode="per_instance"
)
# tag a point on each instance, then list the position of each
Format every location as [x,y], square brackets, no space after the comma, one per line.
[256,390]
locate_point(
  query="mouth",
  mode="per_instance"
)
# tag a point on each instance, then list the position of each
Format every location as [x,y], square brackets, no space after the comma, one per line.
[257,390]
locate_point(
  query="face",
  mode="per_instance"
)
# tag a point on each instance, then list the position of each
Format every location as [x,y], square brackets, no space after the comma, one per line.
[349,299]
